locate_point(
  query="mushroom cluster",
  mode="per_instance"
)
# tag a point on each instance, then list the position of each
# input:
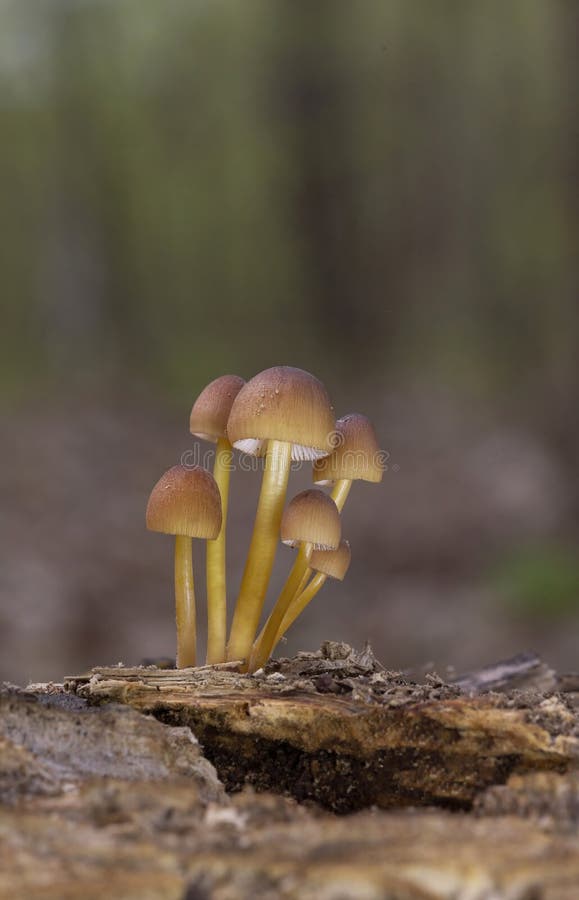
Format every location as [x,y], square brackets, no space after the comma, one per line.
[282,415]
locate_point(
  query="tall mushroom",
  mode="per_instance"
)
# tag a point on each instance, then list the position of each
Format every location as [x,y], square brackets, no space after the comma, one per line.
[312,523]
[208,421]
[287,413]
[185,503]
[356,456]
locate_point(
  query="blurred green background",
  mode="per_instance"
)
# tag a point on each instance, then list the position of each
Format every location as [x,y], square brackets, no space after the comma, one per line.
[382,192]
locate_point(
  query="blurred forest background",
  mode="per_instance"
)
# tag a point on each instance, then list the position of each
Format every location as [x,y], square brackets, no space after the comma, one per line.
[382,192]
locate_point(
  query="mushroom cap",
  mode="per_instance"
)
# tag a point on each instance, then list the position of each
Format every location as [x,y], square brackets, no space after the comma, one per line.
[185,502]
[312,517]
[333,563]
[283,404]
[356,456]
[211,410]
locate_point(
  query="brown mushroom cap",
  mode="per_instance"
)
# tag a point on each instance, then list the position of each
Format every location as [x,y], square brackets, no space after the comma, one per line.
[211,410]
[185,502]
[356,456]
[312,517]
[283,404]
[333,563]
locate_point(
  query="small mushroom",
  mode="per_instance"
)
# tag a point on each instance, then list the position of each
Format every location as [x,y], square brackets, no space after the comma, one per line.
[356,457]
[187,504]
[286,414]
[208,421]
[326,564]
[312,523]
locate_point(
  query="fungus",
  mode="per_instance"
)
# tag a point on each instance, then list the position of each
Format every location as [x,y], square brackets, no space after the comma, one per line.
[208,421]
[326,564]
[282,414]
[286,413]
[312,523]
[356,457]
[185,503]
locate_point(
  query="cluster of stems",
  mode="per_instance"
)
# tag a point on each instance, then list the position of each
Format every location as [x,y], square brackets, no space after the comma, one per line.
[214,416]
[300,588]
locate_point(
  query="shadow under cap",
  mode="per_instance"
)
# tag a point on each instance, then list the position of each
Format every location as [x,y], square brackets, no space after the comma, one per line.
[283,404]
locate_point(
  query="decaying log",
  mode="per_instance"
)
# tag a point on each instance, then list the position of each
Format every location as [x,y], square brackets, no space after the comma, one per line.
[98,800]
[53,742]
[342,732]
[258,851]
[523,672]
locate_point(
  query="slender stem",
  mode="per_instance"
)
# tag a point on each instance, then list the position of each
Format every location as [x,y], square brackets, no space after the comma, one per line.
[340,492]
[216,577]
[303,582]
[299,604]
[262,550]
[339,496]
[185,602]
[302,587]
[264,647]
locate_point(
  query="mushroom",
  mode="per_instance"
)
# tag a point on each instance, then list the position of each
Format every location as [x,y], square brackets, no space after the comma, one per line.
[185,503]
[326,564]
[312,523]
[286,413]
[208,421]
[356,457]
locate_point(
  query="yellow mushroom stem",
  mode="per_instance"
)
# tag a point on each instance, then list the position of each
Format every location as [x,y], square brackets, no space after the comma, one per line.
[299,604]
[265,643]
[303,582]
[300,570]
[340,492]
[262,550]
[216,578]
[302,587]
[185,602]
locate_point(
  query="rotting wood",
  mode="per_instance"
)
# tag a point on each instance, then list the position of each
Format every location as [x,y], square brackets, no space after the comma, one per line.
[334,727]
[100,801]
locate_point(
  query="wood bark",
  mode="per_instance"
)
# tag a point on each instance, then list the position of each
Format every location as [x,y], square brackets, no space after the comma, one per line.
[337,729]
[452,793]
